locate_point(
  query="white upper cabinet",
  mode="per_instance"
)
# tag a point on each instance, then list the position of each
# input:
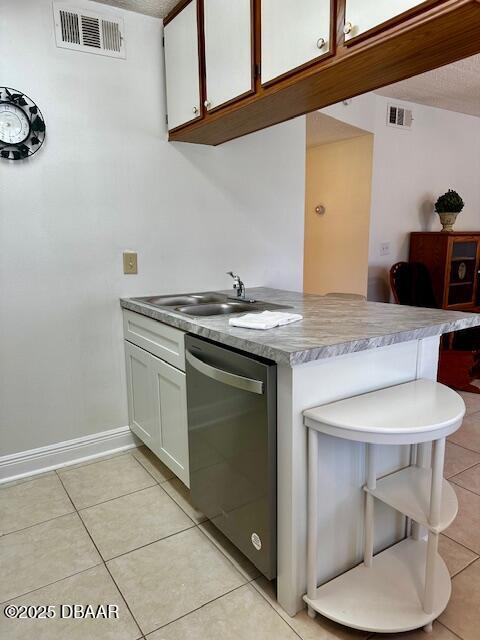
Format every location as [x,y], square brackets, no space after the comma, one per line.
[293,34]
[362,15]
[228,50]
[182,67]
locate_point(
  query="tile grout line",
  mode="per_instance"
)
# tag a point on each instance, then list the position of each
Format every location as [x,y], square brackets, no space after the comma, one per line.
[123,495]
[465,488]
[246,576]
[463,446]
[150,473]
[124,599]
[107,570]
[197,525]
[472,466]
[180,506]
[461,544]
[475,464]
[49,584]
[465,567]
[30,526]
[76,510]
[194,525]
[102,560]
[66,467]
[214,600]
[10,484]
[261,594]
[451,630]
[147,544]
[104,458]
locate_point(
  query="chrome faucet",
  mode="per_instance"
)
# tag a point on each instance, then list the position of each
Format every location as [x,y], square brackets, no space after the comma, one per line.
[238,285]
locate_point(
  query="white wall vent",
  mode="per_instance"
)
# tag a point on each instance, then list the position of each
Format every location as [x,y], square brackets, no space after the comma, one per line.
[84,30]
[399,117]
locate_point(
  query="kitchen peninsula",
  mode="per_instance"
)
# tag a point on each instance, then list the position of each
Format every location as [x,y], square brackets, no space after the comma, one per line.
[341,348]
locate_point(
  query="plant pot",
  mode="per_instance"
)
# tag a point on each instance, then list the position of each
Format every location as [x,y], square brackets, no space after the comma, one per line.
[448,220]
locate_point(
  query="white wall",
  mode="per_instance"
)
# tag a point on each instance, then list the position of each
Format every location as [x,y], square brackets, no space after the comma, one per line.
[411,168]
[107,180]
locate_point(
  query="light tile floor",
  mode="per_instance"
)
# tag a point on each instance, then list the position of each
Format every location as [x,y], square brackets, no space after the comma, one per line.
[121,531]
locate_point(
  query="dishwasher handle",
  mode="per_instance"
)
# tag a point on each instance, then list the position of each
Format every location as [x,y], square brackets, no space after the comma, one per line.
[225,377]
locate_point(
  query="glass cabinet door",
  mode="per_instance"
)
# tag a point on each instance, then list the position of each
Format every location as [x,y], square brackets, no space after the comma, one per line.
[462,280]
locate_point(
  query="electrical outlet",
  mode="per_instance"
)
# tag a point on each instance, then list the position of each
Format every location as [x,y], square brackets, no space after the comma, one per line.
[130,262]
[385,248]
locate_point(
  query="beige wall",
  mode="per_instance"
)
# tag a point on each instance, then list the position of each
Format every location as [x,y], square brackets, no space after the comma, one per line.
[339,176]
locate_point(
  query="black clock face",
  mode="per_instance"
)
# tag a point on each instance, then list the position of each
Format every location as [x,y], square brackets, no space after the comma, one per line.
[22,127]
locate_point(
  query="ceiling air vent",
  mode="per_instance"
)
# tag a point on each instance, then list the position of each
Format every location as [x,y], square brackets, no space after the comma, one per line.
[88,31]
[399,117]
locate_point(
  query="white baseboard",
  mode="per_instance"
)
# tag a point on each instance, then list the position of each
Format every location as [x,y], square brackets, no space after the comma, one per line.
[28,463]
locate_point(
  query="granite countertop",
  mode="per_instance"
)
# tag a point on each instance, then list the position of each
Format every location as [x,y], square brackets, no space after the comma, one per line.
[330,327]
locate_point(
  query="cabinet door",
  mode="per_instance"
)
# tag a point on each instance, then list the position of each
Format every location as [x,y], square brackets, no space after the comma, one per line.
[293,34]
[462,272]
[362,15]
[141,408]
[170,399]
[228,50]
[182,67]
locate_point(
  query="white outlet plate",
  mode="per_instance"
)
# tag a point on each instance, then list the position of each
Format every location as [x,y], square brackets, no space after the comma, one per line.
[385,248]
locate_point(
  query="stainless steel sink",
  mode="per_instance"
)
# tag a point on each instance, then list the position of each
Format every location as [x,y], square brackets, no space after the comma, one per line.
[207,304]
[216,309]
[181,300]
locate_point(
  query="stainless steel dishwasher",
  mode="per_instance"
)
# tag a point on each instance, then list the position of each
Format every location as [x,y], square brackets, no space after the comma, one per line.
[231,399]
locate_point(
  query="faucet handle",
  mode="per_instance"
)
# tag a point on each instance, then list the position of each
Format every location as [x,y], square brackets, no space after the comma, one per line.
[230,273]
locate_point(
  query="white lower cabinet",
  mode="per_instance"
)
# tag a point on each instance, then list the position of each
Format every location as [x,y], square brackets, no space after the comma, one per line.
[141,411]
[170,401]
[157,408]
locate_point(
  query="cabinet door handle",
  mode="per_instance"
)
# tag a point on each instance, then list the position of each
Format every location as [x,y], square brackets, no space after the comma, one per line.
[321,42]
[348,28]
[207,104]
[195,110]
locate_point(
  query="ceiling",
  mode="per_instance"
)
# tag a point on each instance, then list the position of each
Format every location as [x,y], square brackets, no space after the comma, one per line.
[323,129]
[455,87]
[155,8]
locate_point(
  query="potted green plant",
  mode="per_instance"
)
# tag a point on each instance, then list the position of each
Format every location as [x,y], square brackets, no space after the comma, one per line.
[448,207]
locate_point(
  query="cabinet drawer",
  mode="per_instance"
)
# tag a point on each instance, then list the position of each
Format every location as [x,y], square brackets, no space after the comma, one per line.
[155,337]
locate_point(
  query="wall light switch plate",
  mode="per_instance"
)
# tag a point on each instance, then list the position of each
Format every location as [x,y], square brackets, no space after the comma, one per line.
[130,262]
[385,248]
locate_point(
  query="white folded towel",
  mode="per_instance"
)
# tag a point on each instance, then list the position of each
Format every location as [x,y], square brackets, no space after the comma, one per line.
[264,320]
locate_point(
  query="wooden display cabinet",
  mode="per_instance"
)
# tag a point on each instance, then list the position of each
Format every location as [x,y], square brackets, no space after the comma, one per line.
[453,260]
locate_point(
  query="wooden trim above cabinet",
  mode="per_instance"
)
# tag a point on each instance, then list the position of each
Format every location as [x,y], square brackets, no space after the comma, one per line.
[438,36]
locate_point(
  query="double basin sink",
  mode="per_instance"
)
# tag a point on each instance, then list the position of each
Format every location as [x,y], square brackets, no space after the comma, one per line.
[207,304]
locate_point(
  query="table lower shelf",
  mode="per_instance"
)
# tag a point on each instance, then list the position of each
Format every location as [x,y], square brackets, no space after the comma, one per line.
[408,491]
[386,598]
